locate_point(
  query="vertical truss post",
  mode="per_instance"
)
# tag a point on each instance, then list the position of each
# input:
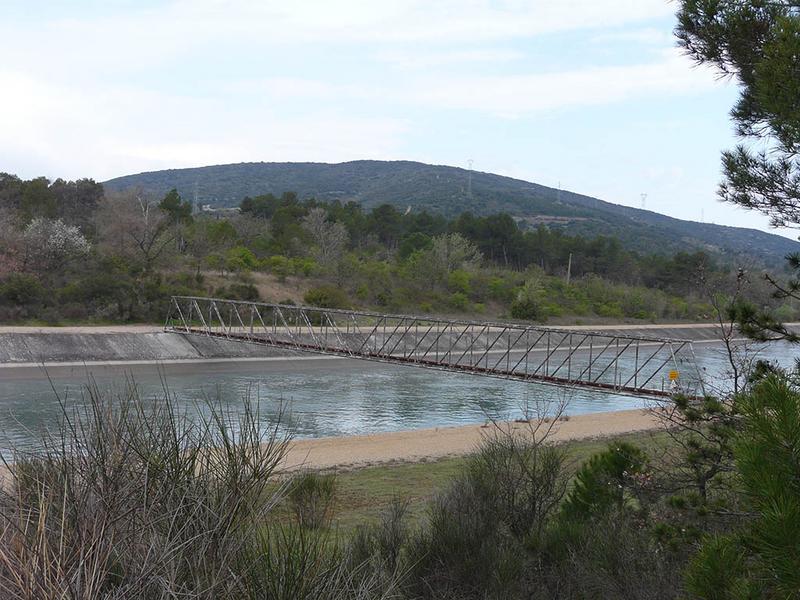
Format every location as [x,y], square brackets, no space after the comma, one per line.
[547,358]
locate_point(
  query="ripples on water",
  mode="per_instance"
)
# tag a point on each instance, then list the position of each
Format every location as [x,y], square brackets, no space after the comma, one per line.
[317,398]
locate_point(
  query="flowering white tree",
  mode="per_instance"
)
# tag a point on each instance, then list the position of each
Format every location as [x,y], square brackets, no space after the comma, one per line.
[49,243]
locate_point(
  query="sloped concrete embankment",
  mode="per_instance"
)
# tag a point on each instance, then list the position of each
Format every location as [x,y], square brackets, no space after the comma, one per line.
[66,347]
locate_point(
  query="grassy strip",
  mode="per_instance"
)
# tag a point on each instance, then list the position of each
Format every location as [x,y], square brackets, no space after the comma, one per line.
[362,494]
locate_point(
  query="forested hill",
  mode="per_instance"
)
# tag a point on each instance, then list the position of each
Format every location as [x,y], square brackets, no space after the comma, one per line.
[448,190]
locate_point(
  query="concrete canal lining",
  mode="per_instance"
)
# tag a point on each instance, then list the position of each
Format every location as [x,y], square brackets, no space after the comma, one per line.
[54,345]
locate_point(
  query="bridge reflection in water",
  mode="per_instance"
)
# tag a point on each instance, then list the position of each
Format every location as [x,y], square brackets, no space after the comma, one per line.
[605,361]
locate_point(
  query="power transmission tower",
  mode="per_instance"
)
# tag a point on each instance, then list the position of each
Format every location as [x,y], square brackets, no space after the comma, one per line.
[644,200]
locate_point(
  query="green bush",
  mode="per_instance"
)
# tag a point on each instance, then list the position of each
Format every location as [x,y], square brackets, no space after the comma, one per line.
[612,556]
[144,510]
[239,291]
[302,266]
[459,281]
[718,571]
[527,309]
[462,552]
[501,289]
[382,544]
[280,267]
[21,289]
[240,259]
[602,481]
[327,296]
[611,310]
[458,301]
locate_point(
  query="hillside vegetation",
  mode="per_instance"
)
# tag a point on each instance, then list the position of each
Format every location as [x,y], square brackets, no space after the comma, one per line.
[449,191]
[71,251]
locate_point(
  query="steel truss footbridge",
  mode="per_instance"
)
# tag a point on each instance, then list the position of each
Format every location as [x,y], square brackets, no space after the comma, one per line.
[605,361]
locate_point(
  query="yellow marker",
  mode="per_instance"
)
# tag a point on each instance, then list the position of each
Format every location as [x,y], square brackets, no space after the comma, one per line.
[673,375]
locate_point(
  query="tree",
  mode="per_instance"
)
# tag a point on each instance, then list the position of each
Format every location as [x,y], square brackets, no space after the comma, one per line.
[179,211]
[77,201]
[386,222]
[134,228]
[49,243]
[528,302]
[261,207]
[180,214]
[10,191]
[757,43]
[10,242]
[761,558]
[330,238]
[453,251]
[37,199]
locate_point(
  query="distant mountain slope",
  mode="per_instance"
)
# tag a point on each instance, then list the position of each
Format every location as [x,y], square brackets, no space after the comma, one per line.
[448,190]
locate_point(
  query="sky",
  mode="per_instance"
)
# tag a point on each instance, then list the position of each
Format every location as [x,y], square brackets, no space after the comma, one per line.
[589,95]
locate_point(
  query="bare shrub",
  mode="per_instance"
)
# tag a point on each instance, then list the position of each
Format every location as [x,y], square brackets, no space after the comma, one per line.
[463,551]
[129,499]
[613,556]
[476,539]
[289,562]
[377,551]
[311,495]
[519,479]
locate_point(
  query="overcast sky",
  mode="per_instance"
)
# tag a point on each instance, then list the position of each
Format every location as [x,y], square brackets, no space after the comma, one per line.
[589,94]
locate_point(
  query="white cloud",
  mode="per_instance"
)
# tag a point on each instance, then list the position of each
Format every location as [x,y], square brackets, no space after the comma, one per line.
[105,131]
[514,95]
[424,60]
[517,95]
[648,35]
[132,40]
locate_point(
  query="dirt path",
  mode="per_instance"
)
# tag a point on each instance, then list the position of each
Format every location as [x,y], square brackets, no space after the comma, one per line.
[428,444]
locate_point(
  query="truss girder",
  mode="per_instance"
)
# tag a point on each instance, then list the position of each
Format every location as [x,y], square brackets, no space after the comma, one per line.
[605,361]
